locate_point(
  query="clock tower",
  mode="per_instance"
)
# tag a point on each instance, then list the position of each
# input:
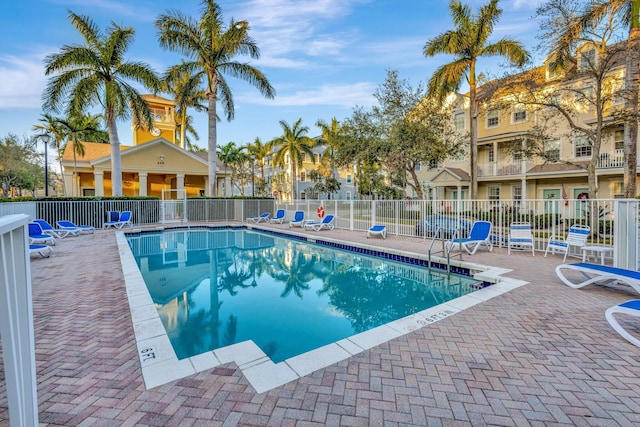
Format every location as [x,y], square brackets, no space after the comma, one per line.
[163,121]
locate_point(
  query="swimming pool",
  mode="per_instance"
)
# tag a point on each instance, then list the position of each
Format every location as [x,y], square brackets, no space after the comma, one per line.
[286,295]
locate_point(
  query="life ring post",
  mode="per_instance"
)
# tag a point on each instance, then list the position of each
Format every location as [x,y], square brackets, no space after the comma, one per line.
[320,212]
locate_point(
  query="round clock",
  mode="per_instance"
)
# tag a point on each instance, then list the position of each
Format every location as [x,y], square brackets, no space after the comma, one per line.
[155,131]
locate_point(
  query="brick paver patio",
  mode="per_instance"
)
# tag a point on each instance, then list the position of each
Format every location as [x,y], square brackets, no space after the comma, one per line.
[541,354]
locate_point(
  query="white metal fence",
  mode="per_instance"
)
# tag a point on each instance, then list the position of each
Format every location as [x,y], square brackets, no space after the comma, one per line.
[549,218]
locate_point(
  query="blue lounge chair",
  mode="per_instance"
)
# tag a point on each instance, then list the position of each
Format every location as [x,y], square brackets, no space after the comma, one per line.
[327,223]
[60,233]
[89,229]
[577,236]
[36,235]
[257,219]
[378,230]
[298,219]
[112,219]
[599,274]
[279,218]
[124,218]
[479,235]
[630,308]
[43,250]
[520,237]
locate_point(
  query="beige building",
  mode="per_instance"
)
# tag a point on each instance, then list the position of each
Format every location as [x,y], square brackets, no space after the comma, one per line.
[155,162]
[503,121]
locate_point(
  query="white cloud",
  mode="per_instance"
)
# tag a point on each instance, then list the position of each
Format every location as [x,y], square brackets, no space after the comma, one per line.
[341,95]
[23,81]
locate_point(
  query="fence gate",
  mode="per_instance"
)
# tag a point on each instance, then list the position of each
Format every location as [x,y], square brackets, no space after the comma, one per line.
[173,207]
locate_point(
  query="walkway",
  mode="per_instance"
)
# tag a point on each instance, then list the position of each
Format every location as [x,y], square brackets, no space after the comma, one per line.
[541,354]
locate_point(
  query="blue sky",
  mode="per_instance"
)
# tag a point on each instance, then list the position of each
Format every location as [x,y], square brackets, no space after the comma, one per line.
[324,57]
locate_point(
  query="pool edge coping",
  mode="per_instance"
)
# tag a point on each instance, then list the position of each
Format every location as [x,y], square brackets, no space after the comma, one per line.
[160,365]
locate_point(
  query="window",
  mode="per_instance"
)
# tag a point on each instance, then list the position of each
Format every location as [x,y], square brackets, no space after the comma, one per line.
[552,149]
[491,157]
[303,195]
[303,176]
[588,59]
[493,119]
[618,139]
[618,189]
[418,167]
[516,192]
[348,195]
[348,178]
[459,121]
[553,72]
[317,158]
[493,193]
[582,146]
[519,115]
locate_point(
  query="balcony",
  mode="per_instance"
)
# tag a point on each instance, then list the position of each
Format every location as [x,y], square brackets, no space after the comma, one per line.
[614,159]
[503,168]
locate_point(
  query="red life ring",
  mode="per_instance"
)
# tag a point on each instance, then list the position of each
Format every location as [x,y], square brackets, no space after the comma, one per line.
[321,212]
[583,196]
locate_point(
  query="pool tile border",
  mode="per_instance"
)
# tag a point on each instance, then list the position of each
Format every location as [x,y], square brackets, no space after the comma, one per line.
[160,365]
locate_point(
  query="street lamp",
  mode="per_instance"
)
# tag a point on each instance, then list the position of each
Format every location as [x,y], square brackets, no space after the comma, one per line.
[45,138]
[253,176]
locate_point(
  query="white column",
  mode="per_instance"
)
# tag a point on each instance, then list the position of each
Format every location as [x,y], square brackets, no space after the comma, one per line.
[98,178]
[68,183]
[142,183]
[180,181]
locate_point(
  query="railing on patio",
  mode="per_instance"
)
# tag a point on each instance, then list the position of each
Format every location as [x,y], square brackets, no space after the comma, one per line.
[549,218]
[614,159]
[16,321]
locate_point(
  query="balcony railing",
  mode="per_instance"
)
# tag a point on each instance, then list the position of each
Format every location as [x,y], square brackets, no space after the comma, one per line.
[502,168]
[614,159]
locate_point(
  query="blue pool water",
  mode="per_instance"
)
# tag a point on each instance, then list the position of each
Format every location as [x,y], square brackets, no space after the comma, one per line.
[216,287]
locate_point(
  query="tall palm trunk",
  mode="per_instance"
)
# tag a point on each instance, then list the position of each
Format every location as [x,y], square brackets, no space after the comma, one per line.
[632,84]
[116,166]
[473,130]
[212,125]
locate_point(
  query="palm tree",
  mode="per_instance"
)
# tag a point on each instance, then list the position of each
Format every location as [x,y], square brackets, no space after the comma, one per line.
[260,152]
[77,129]
[187,93]
[629,11]
[97,73]
[293,142]
[330,138]
[233,156]
[212,48]
[468,43]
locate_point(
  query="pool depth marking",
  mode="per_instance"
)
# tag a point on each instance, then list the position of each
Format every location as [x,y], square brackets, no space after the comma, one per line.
[160,364]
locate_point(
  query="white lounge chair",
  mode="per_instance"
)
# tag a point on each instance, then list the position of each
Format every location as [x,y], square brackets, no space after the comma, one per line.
[378,230]
[298,219]
[257,219]
[479,235]
[577,237]
[599,274]
[520,237]
[56,232]
[124,218]
[279,218]
[630,308]
[327,223]
[43,250]
[89,229]
[36,235]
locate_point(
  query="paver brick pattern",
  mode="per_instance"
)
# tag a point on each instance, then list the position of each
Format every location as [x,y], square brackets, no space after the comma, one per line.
[542,354]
